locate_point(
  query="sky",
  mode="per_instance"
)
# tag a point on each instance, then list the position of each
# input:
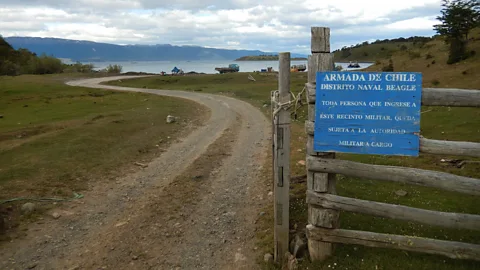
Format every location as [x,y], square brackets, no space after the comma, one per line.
[269,25]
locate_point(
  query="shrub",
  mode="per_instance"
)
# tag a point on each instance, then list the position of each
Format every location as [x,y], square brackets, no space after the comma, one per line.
[403,47]
[428,56]
[433,62]
[9,68]
[83,68]
[114,69]
[45,65]
[435,82]
[389,67]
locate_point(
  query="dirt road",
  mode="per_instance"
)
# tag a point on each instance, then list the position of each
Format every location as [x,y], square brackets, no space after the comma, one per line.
[194,207]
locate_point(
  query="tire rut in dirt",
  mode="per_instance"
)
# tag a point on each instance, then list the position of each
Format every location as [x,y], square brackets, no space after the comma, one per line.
[153,236]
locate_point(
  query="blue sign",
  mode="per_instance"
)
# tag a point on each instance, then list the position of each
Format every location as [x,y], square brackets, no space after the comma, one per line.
[368,112]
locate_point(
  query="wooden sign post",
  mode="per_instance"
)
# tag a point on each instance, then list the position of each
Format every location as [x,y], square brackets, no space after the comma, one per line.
[281,164]
[320,60]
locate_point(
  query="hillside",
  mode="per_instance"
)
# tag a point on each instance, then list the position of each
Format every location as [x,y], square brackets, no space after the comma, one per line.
[22,61]
[380,49]
[85,51]
[265,58]
[431,59]
[5,49]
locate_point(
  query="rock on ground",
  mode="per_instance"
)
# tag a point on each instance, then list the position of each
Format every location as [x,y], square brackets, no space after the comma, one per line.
[170,119]
[28,208]
[268,258]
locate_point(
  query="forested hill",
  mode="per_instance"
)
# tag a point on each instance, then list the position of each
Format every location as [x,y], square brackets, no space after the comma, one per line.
[85,51]
[22,61]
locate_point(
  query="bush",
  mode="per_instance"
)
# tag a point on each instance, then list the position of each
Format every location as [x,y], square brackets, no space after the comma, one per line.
[47,65]
[435,82]
[79,67]
[9,68]
[389,67]
[428,56]
[433,62]
[83,68]
[403,47]
[114,69]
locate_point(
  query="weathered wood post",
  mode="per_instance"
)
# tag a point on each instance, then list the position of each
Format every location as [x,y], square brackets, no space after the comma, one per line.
[282,159]
[320,60]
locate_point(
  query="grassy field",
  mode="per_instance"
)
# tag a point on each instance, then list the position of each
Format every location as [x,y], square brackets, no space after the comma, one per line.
[55,139]
[373,52]
[407,51]
[437,123]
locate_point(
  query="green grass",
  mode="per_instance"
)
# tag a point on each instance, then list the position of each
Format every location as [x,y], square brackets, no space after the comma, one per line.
[232,84]
[373,52]
[437,123]
[54,138]
[264,58]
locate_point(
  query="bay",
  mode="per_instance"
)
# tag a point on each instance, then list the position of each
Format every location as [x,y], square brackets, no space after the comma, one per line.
[205,66]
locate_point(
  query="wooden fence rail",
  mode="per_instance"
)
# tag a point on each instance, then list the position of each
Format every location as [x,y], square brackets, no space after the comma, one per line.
[406,175]
[324,205]
[451,249]
[400,212]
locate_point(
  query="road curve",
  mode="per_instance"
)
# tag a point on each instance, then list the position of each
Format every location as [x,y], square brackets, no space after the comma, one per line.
[67,243]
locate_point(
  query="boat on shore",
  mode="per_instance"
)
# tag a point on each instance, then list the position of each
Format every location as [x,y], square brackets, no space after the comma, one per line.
[297,68]
[353,65]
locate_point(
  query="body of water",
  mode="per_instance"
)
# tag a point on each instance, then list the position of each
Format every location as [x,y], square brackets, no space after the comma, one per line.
[201,66]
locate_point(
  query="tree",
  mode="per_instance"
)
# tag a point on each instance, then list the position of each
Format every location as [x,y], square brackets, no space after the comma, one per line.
[457,19]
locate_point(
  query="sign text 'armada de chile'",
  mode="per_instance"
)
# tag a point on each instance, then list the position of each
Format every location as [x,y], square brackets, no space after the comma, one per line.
[368,112]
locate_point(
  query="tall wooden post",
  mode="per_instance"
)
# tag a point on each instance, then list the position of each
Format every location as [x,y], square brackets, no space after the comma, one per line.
[320,60]
[282,160]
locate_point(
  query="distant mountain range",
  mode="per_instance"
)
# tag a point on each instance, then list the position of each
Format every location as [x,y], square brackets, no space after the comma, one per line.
[87,51]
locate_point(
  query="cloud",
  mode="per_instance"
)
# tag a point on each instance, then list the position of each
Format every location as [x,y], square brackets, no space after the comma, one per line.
[243,24]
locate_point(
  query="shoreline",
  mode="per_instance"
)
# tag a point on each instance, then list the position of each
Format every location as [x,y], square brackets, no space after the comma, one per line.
[266,60]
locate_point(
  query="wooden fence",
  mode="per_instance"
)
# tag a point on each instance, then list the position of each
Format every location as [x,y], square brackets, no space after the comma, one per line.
[324,205]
